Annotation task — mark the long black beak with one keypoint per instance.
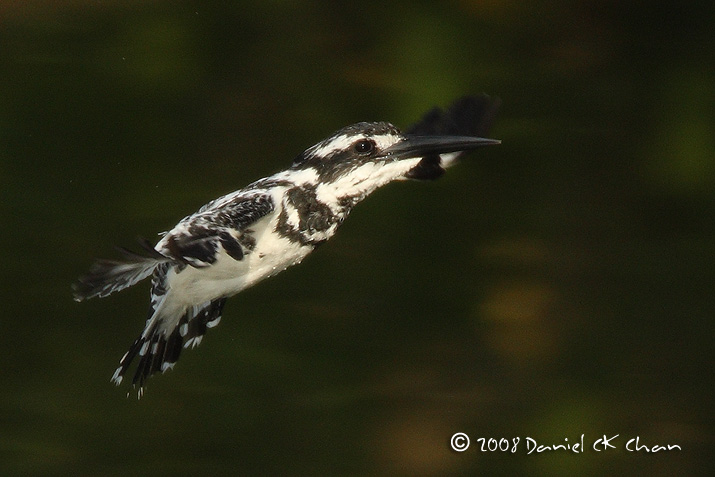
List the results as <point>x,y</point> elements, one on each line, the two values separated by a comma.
<point>419,146</point>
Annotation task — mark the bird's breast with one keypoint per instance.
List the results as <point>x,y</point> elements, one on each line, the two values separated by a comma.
<point>271,253</point>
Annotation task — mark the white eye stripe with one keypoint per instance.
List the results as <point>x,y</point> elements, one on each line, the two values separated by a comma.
<point>346,142</point>
<point>385,141</point>
<point>329,147</point>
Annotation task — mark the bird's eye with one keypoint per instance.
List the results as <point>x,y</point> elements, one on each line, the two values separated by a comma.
<point>364,146</point>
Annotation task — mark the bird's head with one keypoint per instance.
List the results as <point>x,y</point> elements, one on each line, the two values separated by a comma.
<point>359,158</point>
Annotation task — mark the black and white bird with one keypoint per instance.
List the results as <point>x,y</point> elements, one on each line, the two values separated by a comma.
<point>251,234</point>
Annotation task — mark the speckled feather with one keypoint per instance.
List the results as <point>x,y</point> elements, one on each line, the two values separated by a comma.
<point>239,239</point>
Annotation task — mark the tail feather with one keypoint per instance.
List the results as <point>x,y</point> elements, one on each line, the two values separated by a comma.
<point>158,349</point>
<point>108,276</point>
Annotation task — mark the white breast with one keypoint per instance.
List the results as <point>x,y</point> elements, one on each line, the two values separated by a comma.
<point>228,276</point>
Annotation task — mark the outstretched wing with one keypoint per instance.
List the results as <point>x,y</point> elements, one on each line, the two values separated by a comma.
<point>225,222</point>
<point>467,116</point>
<point>108,276</point>
<point>158,351</point>
<point>195,241</point>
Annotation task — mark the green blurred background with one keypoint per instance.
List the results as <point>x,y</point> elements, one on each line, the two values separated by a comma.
<point>560,284</point>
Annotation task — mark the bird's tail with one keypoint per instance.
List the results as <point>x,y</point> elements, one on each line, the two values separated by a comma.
<point>108,276</point>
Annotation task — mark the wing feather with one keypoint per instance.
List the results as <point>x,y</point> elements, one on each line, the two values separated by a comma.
<point>467,116</point>
<point>108,276</point>
<point>196,239</point>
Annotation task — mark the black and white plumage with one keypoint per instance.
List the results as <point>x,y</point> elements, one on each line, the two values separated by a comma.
<point>237,240</point>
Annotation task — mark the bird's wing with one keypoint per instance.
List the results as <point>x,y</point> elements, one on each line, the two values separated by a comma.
<point>224,222</point>
<point>467,116</point>
<point>108,276</point>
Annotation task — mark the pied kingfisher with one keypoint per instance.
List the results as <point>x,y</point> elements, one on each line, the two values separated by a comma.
<point>237,240</point>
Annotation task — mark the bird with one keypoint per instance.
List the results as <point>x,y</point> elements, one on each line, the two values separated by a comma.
<point>244,237</point>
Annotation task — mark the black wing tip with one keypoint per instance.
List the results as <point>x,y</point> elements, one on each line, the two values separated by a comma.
<point>146,246</point>
<point>158,351</point>
<point>470,115</point>
<point>480,111</point>
<point>156,354</point>
<point>81,291</point>
<point>92,283</point>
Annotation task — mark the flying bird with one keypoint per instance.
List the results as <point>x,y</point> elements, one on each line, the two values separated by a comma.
<point>237,240</point>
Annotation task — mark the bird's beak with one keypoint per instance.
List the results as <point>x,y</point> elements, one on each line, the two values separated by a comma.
<point>420,146</point>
